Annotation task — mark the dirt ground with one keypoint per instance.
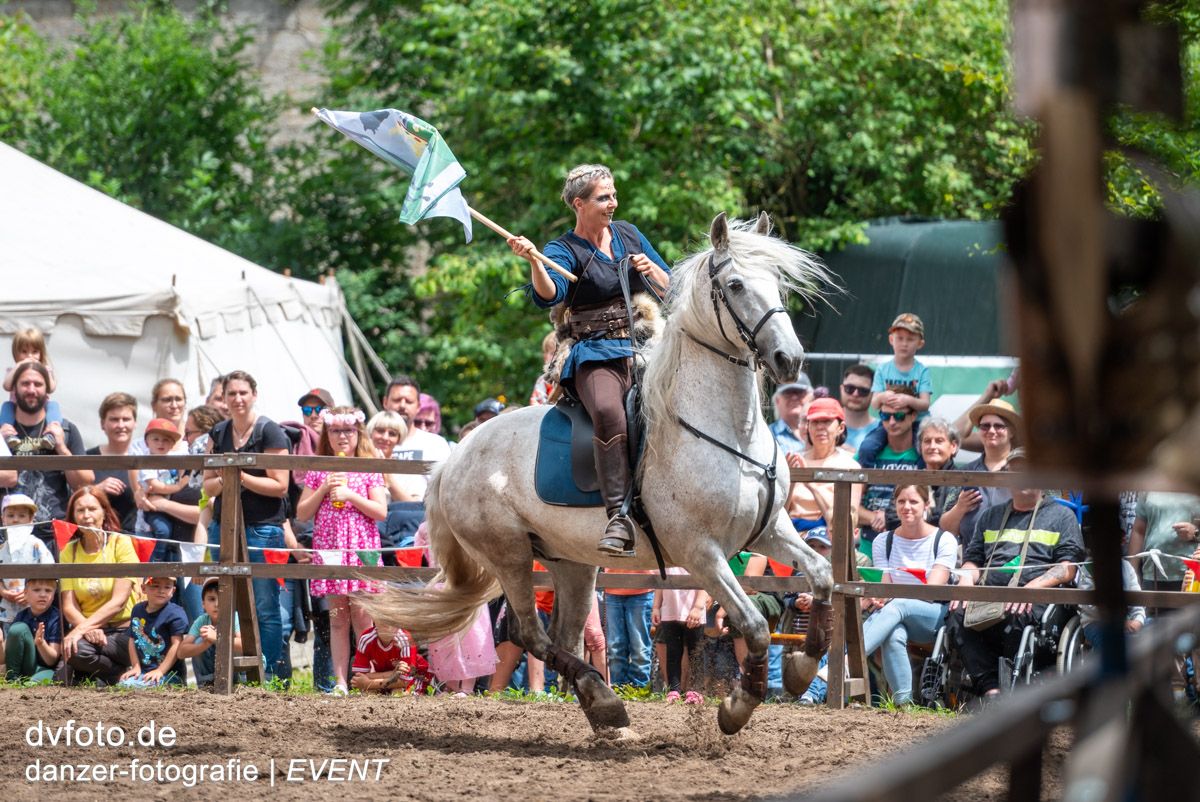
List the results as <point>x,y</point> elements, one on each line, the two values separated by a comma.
<point>435,748</point>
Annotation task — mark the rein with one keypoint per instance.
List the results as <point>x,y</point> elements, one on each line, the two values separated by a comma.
<point>748,335</point>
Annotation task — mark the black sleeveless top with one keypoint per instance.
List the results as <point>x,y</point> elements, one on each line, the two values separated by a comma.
<point>598,283</point>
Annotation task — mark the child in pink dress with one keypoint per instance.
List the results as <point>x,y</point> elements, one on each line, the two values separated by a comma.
<point>345,506</point>
<point>459,660</point>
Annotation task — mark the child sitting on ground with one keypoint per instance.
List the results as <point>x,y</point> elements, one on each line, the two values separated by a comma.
<point>156,630</point>
<point>28,345</point>
<point>34,643</point>
<point>201,641</point>
<point>20,546</point>
<point>388,660</point>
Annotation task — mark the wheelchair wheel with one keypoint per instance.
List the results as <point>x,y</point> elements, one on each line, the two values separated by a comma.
<point>932,689</point>
<point>1020,669</point>
<point>1071,645</point>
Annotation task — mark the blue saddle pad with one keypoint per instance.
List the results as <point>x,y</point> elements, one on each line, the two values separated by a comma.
<point>552,475</point>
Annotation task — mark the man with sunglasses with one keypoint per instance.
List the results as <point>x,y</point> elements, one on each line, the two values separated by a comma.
<point>877,512</point>
<point>856,401</point>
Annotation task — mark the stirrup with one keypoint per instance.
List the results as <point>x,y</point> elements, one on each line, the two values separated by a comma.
<point>617,545</point>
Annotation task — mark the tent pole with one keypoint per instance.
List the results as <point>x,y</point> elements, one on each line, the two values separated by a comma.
<point>378,363</point>
<point>360,368</point>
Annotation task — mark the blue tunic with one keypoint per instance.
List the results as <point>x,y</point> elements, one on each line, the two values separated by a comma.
<point>590,350</point>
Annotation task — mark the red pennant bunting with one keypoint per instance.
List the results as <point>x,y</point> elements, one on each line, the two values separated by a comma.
<point>537,566</point>
<point>779,568</point>
<point>144,546</point>
<point>409,558</point>
<point>276,557</point>
<point>1193,565</point>
<point>63,532</point>
<point>919,573</point>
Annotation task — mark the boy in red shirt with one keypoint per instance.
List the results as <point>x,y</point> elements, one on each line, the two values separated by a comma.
<point>387,659</point>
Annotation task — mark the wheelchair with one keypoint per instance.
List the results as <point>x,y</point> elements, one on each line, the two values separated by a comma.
<point>1055,642</point>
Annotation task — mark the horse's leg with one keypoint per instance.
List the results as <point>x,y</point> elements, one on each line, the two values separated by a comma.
<point>783,544</point>
<point>574,588</point>
<point>709,565</point>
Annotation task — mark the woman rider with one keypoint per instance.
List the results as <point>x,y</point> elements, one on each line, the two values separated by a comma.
<point>598,370</point>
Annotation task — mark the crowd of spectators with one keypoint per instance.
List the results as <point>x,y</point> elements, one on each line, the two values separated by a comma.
<point>144,631</point>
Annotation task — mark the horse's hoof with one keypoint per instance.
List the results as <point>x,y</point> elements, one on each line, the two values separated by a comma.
<point>735,711</point>
<point>798,672</point>
<point>603,708</point>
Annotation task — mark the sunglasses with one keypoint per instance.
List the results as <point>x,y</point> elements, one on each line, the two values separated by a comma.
<point>424,423</point>
<point>987,427</point>
<point>854,389</point>
<point>311,410</point>
<point>898,416</point>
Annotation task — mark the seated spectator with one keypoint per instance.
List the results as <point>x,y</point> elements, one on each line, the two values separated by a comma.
<point>856,401</point>
<point>543,388</point>
<point>1045,540</point>
<point>156,629</point>
<point>487,409</point>
<point>810,504</point>
<point>387,660</point>
<point>939,444</point>
<point>96,611</point>
<point>429,414</point>
<point>33,647</point>
<point>20,547</point>
<point>1089,615</point>
<point>161,437</point>
<point>28,345</point>
<point>118,419</point>
<point>876,513</point>
<point>201,642</point>
<point>790,401</point>
<point>769,605</point>
<point>1000,429</point>
<point>1167,522</point>
<point>914,545</point>
<point>50,489</point>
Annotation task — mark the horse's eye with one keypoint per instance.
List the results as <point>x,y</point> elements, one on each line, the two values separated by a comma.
<point>735,285</point>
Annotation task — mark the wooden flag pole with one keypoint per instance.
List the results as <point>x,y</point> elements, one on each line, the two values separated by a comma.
<point>541,257</point>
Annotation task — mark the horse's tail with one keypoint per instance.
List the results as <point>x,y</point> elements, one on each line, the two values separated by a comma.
<point>450,602</point>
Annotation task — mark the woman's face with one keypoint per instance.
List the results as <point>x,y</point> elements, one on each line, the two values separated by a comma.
<point>995,434</point>
<point>192,430</point>
<point>239,397</point>
<point>342,438</point>
<point>88,512</point>
<point>910,507</point>
<point>936,448</point>
<point>170,403</point>
<point>118,425</point>
<point>824,433</point>
<point>384,439</point>
<point>598,208</point>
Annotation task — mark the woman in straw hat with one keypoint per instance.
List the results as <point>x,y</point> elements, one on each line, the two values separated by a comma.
<point>999,428</point>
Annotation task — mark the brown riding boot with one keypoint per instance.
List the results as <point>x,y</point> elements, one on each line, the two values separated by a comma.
<point>612,469</point>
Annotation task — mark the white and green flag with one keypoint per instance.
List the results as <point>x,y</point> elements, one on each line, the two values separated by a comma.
<point>418,149</point>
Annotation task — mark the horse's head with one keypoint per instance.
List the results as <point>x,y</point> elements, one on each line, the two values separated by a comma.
<point>748,273</point>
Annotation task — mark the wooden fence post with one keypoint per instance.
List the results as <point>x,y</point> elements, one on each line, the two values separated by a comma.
<point>846,644</point>
<point>236,591</point>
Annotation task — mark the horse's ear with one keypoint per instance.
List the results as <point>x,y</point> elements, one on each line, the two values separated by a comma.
<point>718,233</point>
<point>763,226</point>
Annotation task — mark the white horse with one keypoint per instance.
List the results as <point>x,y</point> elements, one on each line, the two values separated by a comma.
<point>712,481</point>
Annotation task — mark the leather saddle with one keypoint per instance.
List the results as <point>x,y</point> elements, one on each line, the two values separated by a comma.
<point>565,467</point>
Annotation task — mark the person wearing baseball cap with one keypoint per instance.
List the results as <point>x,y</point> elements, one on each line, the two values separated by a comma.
<point>19,546</point>
<point>902,384</point>
<point>312,404</point>
<point>487,409</point>
<point>790,401</point>
<point>810,504</point>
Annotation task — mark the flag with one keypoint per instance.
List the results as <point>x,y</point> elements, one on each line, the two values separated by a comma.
<point>368,556</point>
<point>63,532</point>
<point>1192,565</point>
<point>919,573</point>
<point>276,557</point>
<point>410,558</point>
<point>779,568</point>
<point>418,149</point>
<point>144,546</point>
<point>1012,565</point>
<point>871,574</point>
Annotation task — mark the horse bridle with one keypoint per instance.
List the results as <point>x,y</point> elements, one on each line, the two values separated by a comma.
<point>749,337</point>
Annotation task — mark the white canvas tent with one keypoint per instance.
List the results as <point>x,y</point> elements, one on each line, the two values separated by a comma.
<point>126,299</point>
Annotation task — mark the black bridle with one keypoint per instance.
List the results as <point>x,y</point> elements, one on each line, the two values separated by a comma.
<point>749,337</point>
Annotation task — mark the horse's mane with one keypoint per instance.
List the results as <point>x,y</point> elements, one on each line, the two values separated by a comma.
<point>688,306</point>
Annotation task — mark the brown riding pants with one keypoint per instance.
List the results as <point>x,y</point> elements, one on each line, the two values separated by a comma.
<point>601,387</point>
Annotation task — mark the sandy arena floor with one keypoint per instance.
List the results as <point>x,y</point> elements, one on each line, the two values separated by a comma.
<point>435,748</point>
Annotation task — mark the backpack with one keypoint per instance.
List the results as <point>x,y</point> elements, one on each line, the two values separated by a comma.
<point>292,497</point>
<point>887,544</point>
